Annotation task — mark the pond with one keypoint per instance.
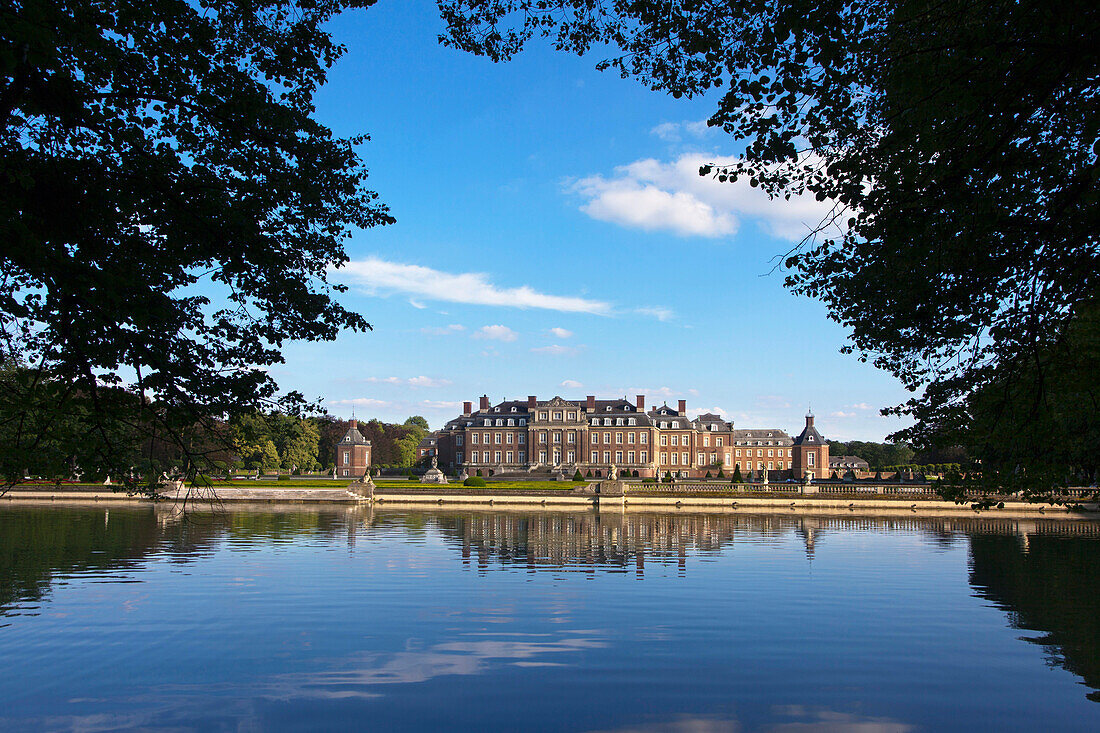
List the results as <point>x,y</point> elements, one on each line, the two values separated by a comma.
<point>296,618</point>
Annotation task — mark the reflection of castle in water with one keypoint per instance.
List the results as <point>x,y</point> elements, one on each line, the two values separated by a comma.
<point>613,541</point>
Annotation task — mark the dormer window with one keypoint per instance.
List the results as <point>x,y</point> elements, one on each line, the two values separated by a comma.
<point>607,421</point>
<point>631,421</point>
<point>511,422</point>
<point>347,438</point>
<point>607,409</point>
<point>500,423</point>
<point>496,409</point>
<point>513,408</point>
<point>522,422</point>
<point>488,422</point>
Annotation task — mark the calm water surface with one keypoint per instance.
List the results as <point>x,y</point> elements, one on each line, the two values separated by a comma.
<point>298,619</point>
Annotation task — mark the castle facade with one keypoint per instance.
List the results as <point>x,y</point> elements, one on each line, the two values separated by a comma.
<point>591,435</point>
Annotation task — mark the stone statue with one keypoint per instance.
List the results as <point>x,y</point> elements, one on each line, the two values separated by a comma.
<point>435,462</point>
<point>612,473</point>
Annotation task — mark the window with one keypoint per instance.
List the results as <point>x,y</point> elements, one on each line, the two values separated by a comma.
<point>770,453</point>
<point>542,438</point>
<point>499,437</point>
<point>473,456</point>
<point>664,440</point>
<point>700,459</point>
<point>497,457</point>
<point>557,456</point>
<point>706,441</point>
<point>522,421</point>
<point>618,456</point>
<point>618,437</point>
<point>542,416</point>
<point>727,461</point>
<point>630,457</point>
<point>759,453</point>
<point>607,421</point>
<point>571,415</point>
<point>675,440</point>
<point>347,457</point>
<point>769,465</point>
<point>557,438</point>
<point>458,457</point>
<point>523,456</point>
<point>684,459</point>
<point>607,438</point>
<point>345,472</point>
<point>458,440</point>
<point>522,438</point>
<point>510,438</point>
<point>509,454</point>
<point>607,456</point>
<point>595,437</point>
<point>542,456</point>
<point>645,456</point>
<point>738,452</point>
<point>645,438</point>
<point>513,410</point>
<point>631,421</point>
<point>511,422</point>
<point>718,441</point>
<point>595,421</point>
<point>810,459</point>
<point>488,423</point>
<point>500,423</point>
<point>630,438</point>
<point>571,437</point>
<point>595,457</point>
<point>347,438</point>
<point>571,456</point>
<point>675,459</point>
<point>557,416</point>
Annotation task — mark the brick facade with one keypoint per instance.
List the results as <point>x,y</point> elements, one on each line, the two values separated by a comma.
<point>521,436</point>
<point>352,453</point>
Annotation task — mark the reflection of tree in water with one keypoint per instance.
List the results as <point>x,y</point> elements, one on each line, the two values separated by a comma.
<point>37,543</point>
<point>1046,583</point>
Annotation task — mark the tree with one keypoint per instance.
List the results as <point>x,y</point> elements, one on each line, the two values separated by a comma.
<point>737,477</point>
<point>954,142</point>
<point>211,203</point>
<point>416,421</point>
<point>577,475</point>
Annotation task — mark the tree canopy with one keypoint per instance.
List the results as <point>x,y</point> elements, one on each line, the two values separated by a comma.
<point>958,144</point>
<point>171,210</point>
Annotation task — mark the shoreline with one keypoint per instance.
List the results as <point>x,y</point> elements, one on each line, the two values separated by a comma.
<point>438,497</point>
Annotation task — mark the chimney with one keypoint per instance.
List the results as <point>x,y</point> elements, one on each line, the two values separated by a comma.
<point>353,423</point>
<point>467,408</point>
<point>531,400</point>
<point>641,403</point>
<point>682,408</point>
<point>590,403</point>
<point>484,402</point>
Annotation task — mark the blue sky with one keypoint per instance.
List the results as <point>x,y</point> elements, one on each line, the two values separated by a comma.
<point>552,237</point>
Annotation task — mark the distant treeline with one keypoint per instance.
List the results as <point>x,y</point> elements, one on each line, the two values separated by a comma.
<point>895,456</point>
<point>277,441</point>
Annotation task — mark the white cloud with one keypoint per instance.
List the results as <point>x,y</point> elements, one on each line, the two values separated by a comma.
<point>673,131</point>
<point>557,350</point>
<point>671,196</point>
<point>841,413</point>
<point>696,412</point>
<point>428,382</point>
<point>571,384</point>
<point>862,406</point>
<point>561,333</point>
<point>416,304</point>
<point>496,333</point>
<point>375,275</point>
<point>443,330</point>
<point>658,312</point>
